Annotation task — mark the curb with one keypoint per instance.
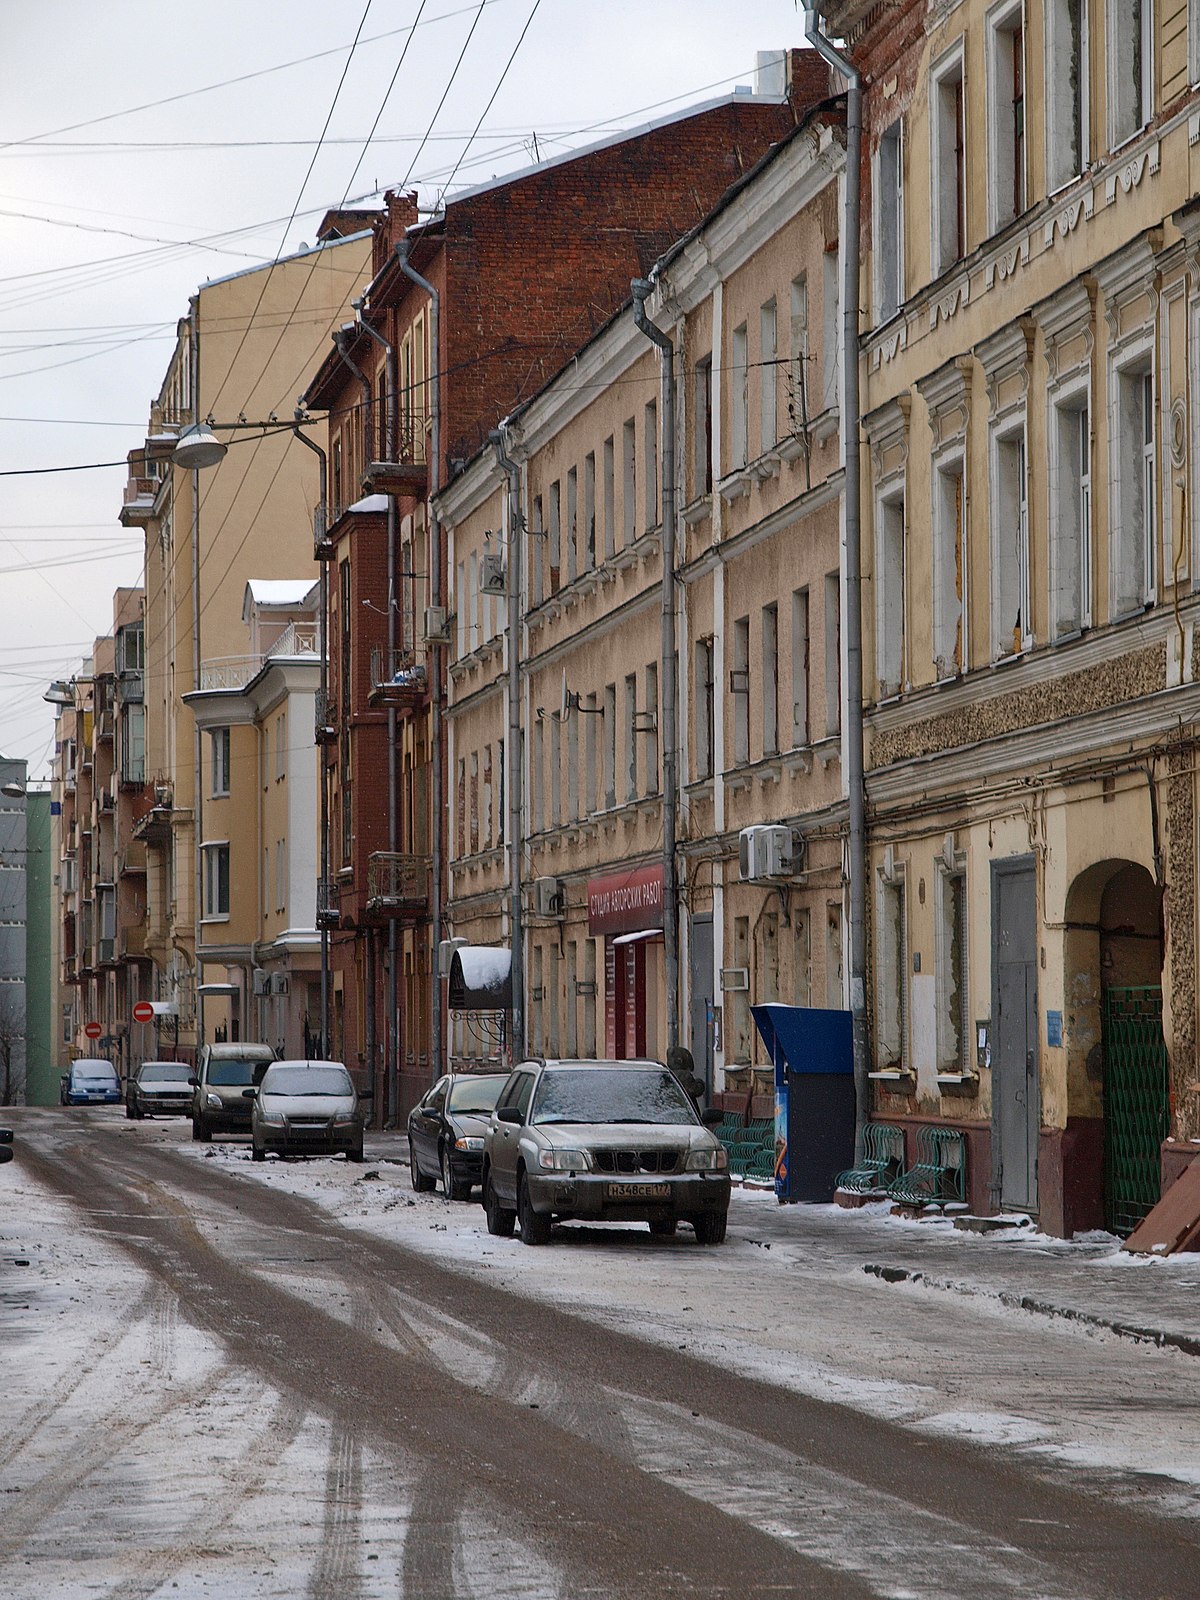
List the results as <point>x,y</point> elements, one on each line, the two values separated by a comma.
<point>1159,1337</point>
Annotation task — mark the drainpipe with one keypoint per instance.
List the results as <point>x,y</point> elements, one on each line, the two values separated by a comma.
<point>852,572</point>
<point>642,288</point>
<point>197,736</point>
<point>322,770</point>
<point>436,662</point>
<point>391,1063</point>
<point>513,761</point>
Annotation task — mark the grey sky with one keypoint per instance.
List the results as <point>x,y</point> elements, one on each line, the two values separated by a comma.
<point>91,286</point>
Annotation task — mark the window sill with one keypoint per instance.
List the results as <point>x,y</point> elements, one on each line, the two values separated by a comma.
<point>698,510</point>
<point>215,917</point>
<point>893,1075</point>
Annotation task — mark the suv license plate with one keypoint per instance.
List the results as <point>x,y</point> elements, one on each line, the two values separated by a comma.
<point>638,1191</point>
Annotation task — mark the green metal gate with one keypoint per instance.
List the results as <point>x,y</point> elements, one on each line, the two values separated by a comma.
<point>1136,1114</point>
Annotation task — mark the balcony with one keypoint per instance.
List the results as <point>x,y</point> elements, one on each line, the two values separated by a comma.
<point>397,678</point>
<point>322,546</point>
<point>133,942</point>
<point>326,717</point>
<point>398,885</point>
<point>154,827</point>
<point>103,730</point>
<point>138,506</point>
<point>106,952</point>
<point>235,672</point>
<point>329,903</point>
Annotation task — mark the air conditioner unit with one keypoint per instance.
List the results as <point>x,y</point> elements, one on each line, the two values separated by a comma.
<point>764,852</point>
<point>446,949</point>
<point>491,574</point>
<point>547,897</point>
<point>279,983</point>
<point>435,625</point>
<point>262,981</point>
<point>734,978</point>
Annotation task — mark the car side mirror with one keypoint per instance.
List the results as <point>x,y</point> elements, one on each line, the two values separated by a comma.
<point>366,1094</point>
<point>193,1083</point>
<point>711,1117</point>
<point>429,1111</point>
<point>249,1094</point>
<point>510,1114</point>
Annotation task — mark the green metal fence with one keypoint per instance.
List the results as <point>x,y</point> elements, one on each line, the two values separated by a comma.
<point>1136,1114</point>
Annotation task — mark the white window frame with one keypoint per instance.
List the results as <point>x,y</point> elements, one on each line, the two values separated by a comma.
<point>220,763</point>
<point>1130,46</point>
<point>888,206</point>
<point>1133,483</point>
<point>798,385</point>
<point>1011,434</point>
<point>1002,21</point>
<point>890,586</point>
<point>946,201</point>
<point>768,372</point>
<point>211,853</point>
<point>1070,507</point>
<point>739,359</point>
<point>949,611</point>
<point>801,669</point>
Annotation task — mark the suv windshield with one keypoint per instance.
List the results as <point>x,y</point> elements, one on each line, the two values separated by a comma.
<point>165,1072</point>
<point>309,1081</point>
<point>95,1074</point>
<point>622,1094</point>
<point>229,1074</point>
<point>476,1094</point>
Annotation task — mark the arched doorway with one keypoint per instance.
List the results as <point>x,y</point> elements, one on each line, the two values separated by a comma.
<point>1115,953</point>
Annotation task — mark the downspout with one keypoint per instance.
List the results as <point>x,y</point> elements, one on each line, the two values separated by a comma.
<point>852,571</point>
<point>642,288</point>
<point>322,769</point>
<point>197,736</point>
<point>513,760</point>
<point>436,661</point>
<point>391,1050</point>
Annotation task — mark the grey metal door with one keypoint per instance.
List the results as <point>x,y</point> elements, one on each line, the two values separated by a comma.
<point>702,996</point>
<point>1016,1096</point>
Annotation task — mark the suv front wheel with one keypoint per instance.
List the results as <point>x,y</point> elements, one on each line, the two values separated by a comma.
<point>535,1225</point>
<point>710,1226</point>
<point>500,1220</point>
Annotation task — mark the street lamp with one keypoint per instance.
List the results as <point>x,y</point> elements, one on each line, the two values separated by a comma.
<point>13,791</point>
<point>198,447</point>
<point>60,693</point>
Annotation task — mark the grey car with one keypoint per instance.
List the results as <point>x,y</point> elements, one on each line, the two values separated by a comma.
<point>223,1072</point>
<point>159,1086</point>
<point>306,1108</point>
<point>601,1141</point>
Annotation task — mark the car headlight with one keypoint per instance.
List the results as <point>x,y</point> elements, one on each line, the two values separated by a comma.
<point>707,1160</point>
<point>564,1160</point>
<point>275,1118</point>
<point>213,1101</point>
<point>343,1119</point>
<point>468,1144</point>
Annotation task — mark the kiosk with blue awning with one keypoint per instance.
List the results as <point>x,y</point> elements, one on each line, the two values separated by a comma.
<point>813,1055</point>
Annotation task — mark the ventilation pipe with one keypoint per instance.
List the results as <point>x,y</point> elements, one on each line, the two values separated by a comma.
<point>852,571</point>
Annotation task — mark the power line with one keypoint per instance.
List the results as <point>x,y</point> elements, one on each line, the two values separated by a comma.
<point>491,100</point>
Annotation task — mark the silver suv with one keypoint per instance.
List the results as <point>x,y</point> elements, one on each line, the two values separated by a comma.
<point>601,1141</point>
<point>224,1070</point>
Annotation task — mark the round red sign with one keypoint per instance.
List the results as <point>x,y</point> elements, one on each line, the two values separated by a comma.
<point>143,1011</point>
<point>92,1029</point>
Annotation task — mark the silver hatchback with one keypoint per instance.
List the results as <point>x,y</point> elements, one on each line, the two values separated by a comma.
<point>306,1108</point>
<point>601,1141</point>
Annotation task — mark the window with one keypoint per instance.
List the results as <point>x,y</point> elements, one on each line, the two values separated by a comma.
<point>216,880</point>
<point>834,995</point>
<point>949,570</point>
<point>572,523</point>
<point>831,332</point>
<point>591,799</point>
<point>460,806</point>
<point>610,746</point>
<point>281,875</point>
<point>344,634</point>
<point>801,959</point>
<point>554,542</point>
<point>1132,513</point>
<point>133,649</point>
<point>1010,545</point>
<point>266,881</point>
<point>738,1000</point>
<point>739,688</point>
<point>537,761</point>
<point>798,365</point>
<point>1006,117</point>
<point>702,420</point>
<point>891,1021</point>
<point>500,794</point>
<point>833,654</point>
<point>650,734</point>
<point>948,164</point>
<point>738,377</point>
<point>610,543</point>
<point>537,550</point>
<point>629,480</point>
<point>573,769</point>
<point>487,804</point>
<point>219,743</point>
<point>1130,67</point>
<point>889,231</point>
<point>1067,132</point>
<point>953,1024</point>
<point>650,469</point>
<point>555,776</point>
<point>589,509</point>
<point>770,680</point>
<point>768,372</point>
<point>889,597</point>
<point>1070,516</point>
<point>133,744</point>
<point>706,708</point>
<point>281,745</point>
<point>473,804</point>
<point>631,761</point>
<point>800,668</point>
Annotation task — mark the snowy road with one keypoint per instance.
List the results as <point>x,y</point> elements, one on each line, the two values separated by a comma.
<point>299,1380</point>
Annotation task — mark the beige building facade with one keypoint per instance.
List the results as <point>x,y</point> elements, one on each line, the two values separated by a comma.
<point>1030,553</point>
<point>749,300</point>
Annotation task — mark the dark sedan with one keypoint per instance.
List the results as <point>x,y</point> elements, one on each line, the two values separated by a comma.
<point>159,1086</point>
<point>445,1132</point>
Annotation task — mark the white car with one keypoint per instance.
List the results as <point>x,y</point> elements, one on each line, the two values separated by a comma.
<point>306,1108</point>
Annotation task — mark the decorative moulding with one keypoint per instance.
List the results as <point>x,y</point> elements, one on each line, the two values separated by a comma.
<point>951,302</point>
<point>889,346</point>
<point>1064,221</point>
<point>1064,318</point>
<point>947,396</point>
<point>1130,173</point>
<point>1005,265</point>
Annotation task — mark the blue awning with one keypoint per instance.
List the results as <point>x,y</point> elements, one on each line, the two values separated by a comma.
<point>806,1038</point>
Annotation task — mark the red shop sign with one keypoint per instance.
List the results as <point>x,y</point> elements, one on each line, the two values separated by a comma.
<point>626,902</point>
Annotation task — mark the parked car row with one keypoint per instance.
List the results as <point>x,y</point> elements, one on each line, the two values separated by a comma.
<point>594,1141</point>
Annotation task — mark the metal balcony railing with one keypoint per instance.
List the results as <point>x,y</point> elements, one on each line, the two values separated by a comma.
<point>398,883</point>
<point>329,903</point>
<point>397,677</point>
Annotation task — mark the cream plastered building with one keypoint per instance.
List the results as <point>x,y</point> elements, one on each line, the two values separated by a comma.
<point>1031,298</point>
<point>749,300</point>
<point>243,352</point>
